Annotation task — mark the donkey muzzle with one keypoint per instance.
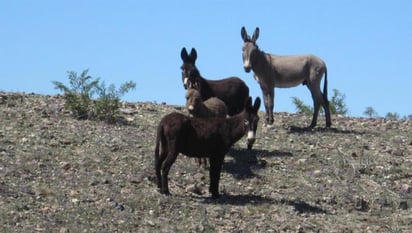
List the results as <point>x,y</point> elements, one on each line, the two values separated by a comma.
<point>247,66</point>
<point>185,81</point>
<point>250,139</point>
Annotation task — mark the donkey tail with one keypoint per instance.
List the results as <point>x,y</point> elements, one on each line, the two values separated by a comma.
<point>158,140</point>
<point>325,85</point>
<point>157,163</point>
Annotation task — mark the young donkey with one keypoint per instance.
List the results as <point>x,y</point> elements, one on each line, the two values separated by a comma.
<point>272,71</point>
<point>212,107</point>
<point>233,91</point>
<point>200,137</point>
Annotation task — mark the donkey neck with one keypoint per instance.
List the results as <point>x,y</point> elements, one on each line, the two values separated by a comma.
<point>262,66</point>
<point>204,88</point>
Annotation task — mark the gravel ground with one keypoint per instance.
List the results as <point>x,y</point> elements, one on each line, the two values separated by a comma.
<point>58,174</point>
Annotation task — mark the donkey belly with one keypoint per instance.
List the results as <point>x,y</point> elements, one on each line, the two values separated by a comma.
<point>287,83</point>
<point>290,70</point>
<point>196,148</point>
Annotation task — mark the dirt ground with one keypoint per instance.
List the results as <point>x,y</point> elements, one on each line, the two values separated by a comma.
<point>59,174</point>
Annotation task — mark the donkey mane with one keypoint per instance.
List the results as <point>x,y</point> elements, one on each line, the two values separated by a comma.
<point>203,85</point>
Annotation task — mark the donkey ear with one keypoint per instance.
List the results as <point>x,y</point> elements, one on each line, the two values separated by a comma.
<point>256,106</point>
<point>193,55</point>
<point>248,103</point>
<point>243,34</point>
<point>183,54</point>
<point>255,34</point>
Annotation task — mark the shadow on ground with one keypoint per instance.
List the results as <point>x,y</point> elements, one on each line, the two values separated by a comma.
<point>242,199</point>
<point>246,161</point>
<point>298,129</point>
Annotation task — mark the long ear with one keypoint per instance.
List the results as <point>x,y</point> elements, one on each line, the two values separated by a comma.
<point>255,34</point>
<point>248,103</point>
<point>256,106</point>
<point>244,35</point>
<point>193,55</point>
<point>183,54</point>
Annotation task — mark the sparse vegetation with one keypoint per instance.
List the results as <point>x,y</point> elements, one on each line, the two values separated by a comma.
<point>79,97</point>
<point>301,107</point>
<point>370,112</point>
<point>337,105</point>
<point>108,103</point>
<point>408,117</point>
<point>392,116</point>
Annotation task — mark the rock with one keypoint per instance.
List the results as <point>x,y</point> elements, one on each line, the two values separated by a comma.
<point>361,204</point>
<point>405,188</point>
<point>403,205</point>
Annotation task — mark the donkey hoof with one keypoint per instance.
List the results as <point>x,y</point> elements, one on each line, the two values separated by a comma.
<point>215,196</point>
<point>311,126</point>
<point>165,192</point>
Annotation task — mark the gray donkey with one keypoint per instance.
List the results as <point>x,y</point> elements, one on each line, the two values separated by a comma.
<point>272,71</point>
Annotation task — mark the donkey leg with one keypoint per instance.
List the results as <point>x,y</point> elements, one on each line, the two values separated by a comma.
<point>317,102</point>
<point>269,96</point>
<point>158,163</point>
<point>325,105</point>
<point>167,164</point>
<point>214,173</point>
<point>320,100</point>
<point>316,108</point>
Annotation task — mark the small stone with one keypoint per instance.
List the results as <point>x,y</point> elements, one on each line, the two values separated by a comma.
<point>403,205</point>
<point>317,172</point>
<point>151,223</point>
<point>397,152</point>
<point>193,188</point>
<point>119,207</point>
<point>75,200</point>
<point>406,188</point>
<point>361,204</point>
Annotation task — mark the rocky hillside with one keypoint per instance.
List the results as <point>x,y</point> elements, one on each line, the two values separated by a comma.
<point>58,174</point>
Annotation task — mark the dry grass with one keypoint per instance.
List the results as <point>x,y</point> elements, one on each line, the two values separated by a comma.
<point>58,174</point>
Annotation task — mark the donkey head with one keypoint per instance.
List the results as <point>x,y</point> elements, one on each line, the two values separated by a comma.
<point>189,70</point>
<point>193,100</point>
<point>252,120</point>
<point>249,48</point>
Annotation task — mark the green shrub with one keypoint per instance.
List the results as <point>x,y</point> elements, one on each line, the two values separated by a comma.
<point>108,104</point>
<point>370,112</point>
<point>337,105</point>
<point>301,107</point>
<point>79,97</point>
<point>392,116</point>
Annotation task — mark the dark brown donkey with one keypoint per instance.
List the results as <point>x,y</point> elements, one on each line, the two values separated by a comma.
<point>272,71</point>
<point>201,137</point>
<point>233,91</point>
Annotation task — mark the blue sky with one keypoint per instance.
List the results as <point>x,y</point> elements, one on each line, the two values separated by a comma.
<point>367,45</point>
